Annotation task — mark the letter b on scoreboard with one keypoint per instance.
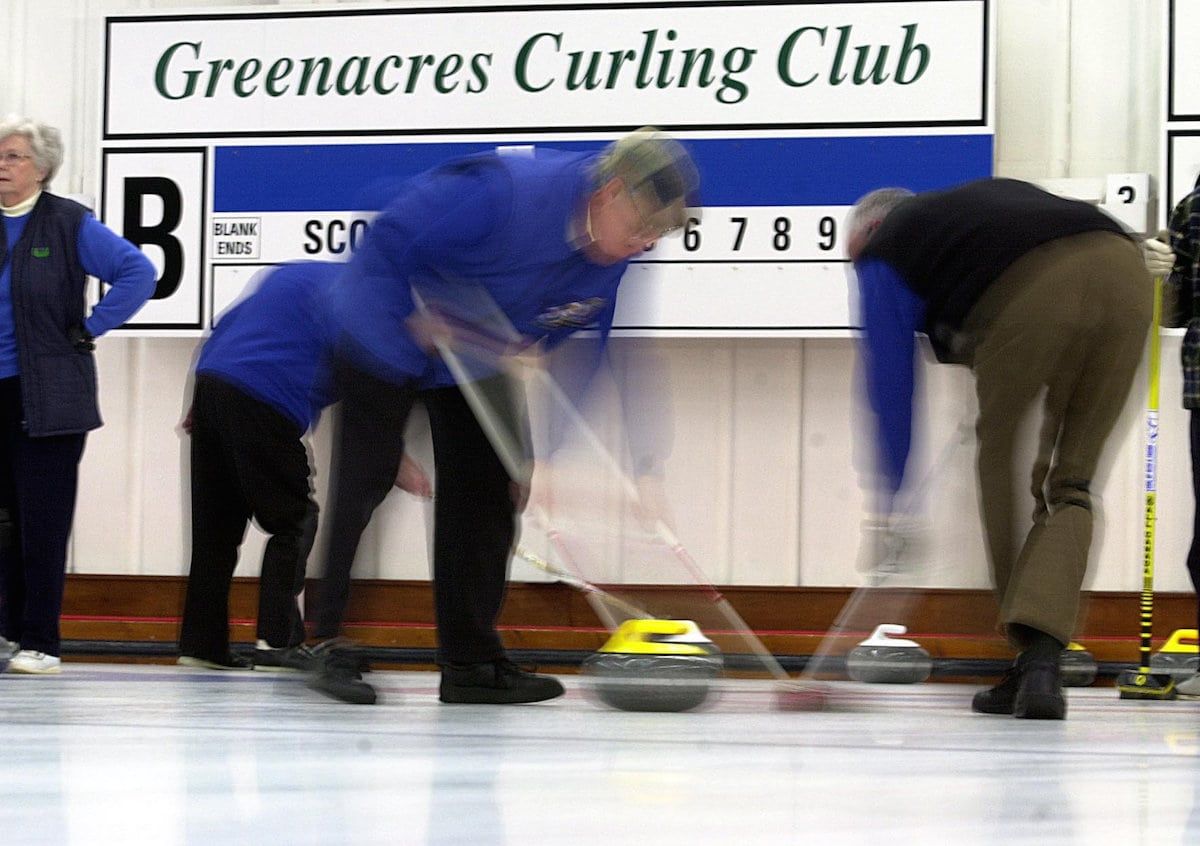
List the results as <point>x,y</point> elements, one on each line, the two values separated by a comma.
<point>155,199</point>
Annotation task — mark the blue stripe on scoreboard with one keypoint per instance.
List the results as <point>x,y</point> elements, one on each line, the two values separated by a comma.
<point>735,172</point>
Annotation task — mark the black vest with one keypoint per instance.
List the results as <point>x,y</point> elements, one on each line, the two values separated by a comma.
<point>949,246</point>
<point>58,384</point>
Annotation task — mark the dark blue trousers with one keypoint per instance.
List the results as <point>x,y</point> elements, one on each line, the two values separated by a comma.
<point>38,481</point>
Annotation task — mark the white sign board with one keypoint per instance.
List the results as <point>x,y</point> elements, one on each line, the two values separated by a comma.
<point>791,109</point>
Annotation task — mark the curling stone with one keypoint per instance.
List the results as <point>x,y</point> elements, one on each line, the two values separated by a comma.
<point>1077,666</point>
<point>654,665</point>
<point>1179,656</point>
<point>885,660</point>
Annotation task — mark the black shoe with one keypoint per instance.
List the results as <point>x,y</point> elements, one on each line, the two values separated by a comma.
<point>1040,695</point>
<point>229,661</point>
<point>336,673</point>
<point>495,683</point>
<point>291,658</point>
<point>1000,699</point>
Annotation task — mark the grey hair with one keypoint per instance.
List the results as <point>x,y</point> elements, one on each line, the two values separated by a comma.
<point>875,206</point>
<point>657,169</point>
<point>44,141</point>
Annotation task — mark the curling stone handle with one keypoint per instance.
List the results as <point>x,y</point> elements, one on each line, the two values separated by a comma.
<point>1182,640</point>
<point>881,636</point>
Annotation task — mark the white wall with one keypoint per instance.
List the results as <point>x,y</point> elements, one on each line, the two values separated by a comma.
<point>762,477</point>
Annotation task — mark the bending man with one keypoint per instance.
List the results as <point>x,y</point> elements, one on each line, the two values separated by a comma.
<point>1048,302</point>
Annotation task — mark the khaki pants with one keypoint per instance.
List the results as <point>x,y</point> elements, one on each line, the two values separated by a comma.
<point>1063,326</point>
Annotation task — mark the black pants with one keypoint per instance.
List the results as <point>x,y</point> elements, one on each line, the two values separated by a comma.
<point>1193,559</point>
<point>474,522</point>
<point>248,461</point>
<point>38,481</point>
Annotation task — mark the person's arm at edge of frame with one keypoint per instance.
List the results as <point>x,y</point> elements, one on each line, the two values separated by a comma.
<point>1184,238</point>
<point>891,315</point>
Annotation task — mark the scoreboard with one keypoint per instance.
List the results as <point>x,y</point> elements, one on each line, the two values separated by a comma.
<point>236,140</point>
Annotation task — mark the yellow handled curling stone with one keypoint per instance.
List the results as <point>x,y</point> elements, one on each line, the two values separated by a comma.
<point>1179,656</point>
<point>654,665</point>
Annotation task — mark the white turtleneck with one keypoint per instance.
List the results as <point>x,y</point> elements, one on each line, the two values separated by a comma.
<point>23,207</point>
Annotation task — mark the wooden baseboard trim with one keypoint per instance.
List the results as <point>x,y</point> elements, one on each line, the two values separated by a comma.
<point>949,623</point>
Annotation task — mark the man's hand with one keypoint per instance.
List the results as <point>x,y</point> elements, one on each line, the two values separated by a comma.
<point>411,478</point>
<point>1159,258</point>
<point>433,331</point>
<point>429,330</point>
<point>518,492</point>
<point>651,505</point>
<point>891,545</point>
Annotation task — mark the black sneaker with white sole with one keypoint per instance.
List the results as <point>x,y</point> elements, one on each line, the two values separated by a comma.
<point>495,683</point>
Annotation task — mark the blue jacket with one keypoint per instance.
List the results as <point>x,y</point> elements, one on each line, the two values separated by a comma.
<point>60,245</point>
<point>492,223</point>
<point>273,344</point>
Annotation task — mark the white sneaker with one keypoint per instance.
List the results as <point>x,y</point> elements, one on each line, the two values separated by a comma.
<point>1191,687</point>
<point>35,663</point>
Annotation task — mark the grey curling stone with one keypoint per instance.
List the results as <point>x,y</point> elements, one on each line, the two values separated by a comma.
<point>641,682</point>
<point>1077,666</point>
<point>881,659</point>
<point>1178,656</point>
<point>1175,664</point>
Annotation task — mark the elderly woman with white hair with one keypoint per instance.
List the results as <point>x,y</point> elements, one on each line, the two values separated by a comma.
<point>49,245</point>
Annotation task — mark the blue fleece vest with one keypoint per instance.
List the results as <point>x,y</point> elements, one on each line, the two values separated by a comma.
<point>58,384</point>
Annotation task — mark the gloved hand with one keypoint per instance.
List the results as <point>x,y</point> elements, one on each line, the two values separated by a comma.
<point>81,339</point>
<point>1159,257</point>
<point>891,545</point>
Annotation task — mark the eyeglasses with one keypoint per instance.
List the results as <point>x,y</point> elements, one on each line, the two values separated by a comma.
<point>11,158</point>
<point>644,230</point>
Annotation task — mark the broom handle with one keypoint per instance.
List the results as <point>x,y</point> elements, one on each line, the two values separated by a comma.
<point>587,588</point>
<point>1151,478</point>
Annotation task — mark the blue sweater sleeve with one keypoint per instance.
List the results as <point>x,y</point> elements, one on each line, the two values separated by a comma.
<point>891,314</point>
<point>110,258</point>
